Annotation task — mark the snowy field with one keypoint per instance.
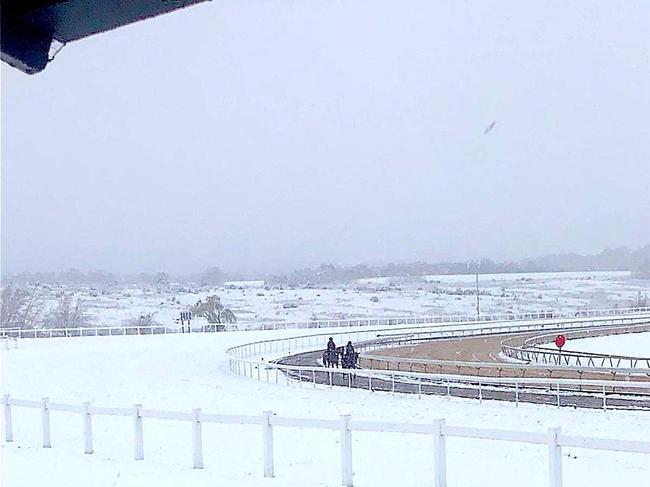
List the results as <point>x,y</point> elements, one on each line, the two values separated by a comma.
<point>116,305</point>
<point>634,345</point>
<point>181,372</point>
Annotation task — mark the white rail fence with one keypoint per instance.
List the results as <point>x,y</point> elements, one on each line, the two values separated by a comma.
<point>247,360</point>
<point>511,388</point>
<point>534,349</point>
<point>393,336</point>
<point>315,340</point>
<point>454,318</point>
<point>294,325</point>
<point>438,430</point>
<point>528,357</point>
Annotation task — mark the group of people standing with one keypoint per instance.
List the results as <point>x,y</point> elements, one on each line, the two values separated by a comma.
<point>348,356</point>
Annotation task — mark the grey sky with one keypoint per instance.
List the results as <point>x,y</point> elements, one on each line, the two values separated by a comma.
<point>266,135</point>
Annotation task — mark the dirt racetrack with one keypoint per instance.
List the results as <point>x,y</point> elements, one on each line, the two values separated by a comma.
<point>484,350</point>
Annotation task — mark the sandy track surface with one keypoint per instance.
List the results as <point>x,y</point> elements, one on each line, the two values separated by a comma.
<point>484,349</point>
<point>397,383</point>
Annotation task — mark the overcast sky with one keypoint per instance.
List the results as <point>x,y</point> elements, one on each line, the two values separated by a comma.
<point>271,135</point>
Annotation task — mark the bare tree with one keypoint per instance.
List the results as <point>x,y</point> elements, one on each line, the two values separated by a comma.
<point>213,311</point>
<point>69,313</point>
<point>162,279</point>
<point>20,307</point>
<point>212,276</point>
<point>641,300</point>
<point>143,323</point>
<point>147,319</point>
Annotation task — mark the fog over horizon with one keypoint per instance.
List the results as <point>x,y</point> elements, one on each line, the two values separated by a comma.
<point>270,136</point>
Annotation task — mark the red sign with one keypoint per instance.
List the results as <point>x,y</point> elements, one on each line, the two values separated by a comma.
<point>560,340</point>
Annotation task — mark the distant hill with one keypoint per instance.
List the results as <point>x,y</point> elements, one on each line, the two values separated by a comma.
<point>637,261</point>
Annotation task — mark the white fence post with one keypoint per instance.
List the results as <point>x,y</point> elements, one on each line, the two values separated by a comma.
<point>88,429</point>
<point>517,394</point>
<point>268,444</point>
<point>45,415</point>
<point>9,430</point>
<point>440,454</point>
<point>346,451</point>
<point>138,432</point>
<point>197,438</point>
<point>554,458</point>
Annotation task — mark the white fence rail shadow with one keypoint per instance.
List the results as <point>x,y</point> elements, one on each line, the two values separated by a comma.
<point>438,430</point>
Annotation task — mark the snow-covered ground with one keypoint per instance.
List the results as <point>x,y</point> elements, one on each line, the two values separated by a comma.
<point>634,345</point>
<point>181,372</point>
<point>397,296</point>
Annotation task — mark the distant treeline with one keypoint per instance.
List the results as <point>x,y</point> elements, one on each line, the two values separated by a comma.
<point>619,259</point>
<point>213,276</point>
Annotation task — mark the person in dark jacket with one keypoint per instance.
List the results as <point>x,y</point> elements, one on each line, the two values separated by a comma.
<point>331,346</point>
<point>350,357</point>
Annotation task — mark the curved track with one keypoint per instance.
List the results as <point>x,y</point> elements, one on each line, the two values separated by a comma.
<point>501,392</point>
<point>478,358</point>
<point>487,378</point>
<point>481,356</point>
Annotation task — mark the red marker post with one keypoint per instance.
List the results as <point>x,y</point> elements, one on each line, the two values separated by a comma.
<point>560,340</point>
